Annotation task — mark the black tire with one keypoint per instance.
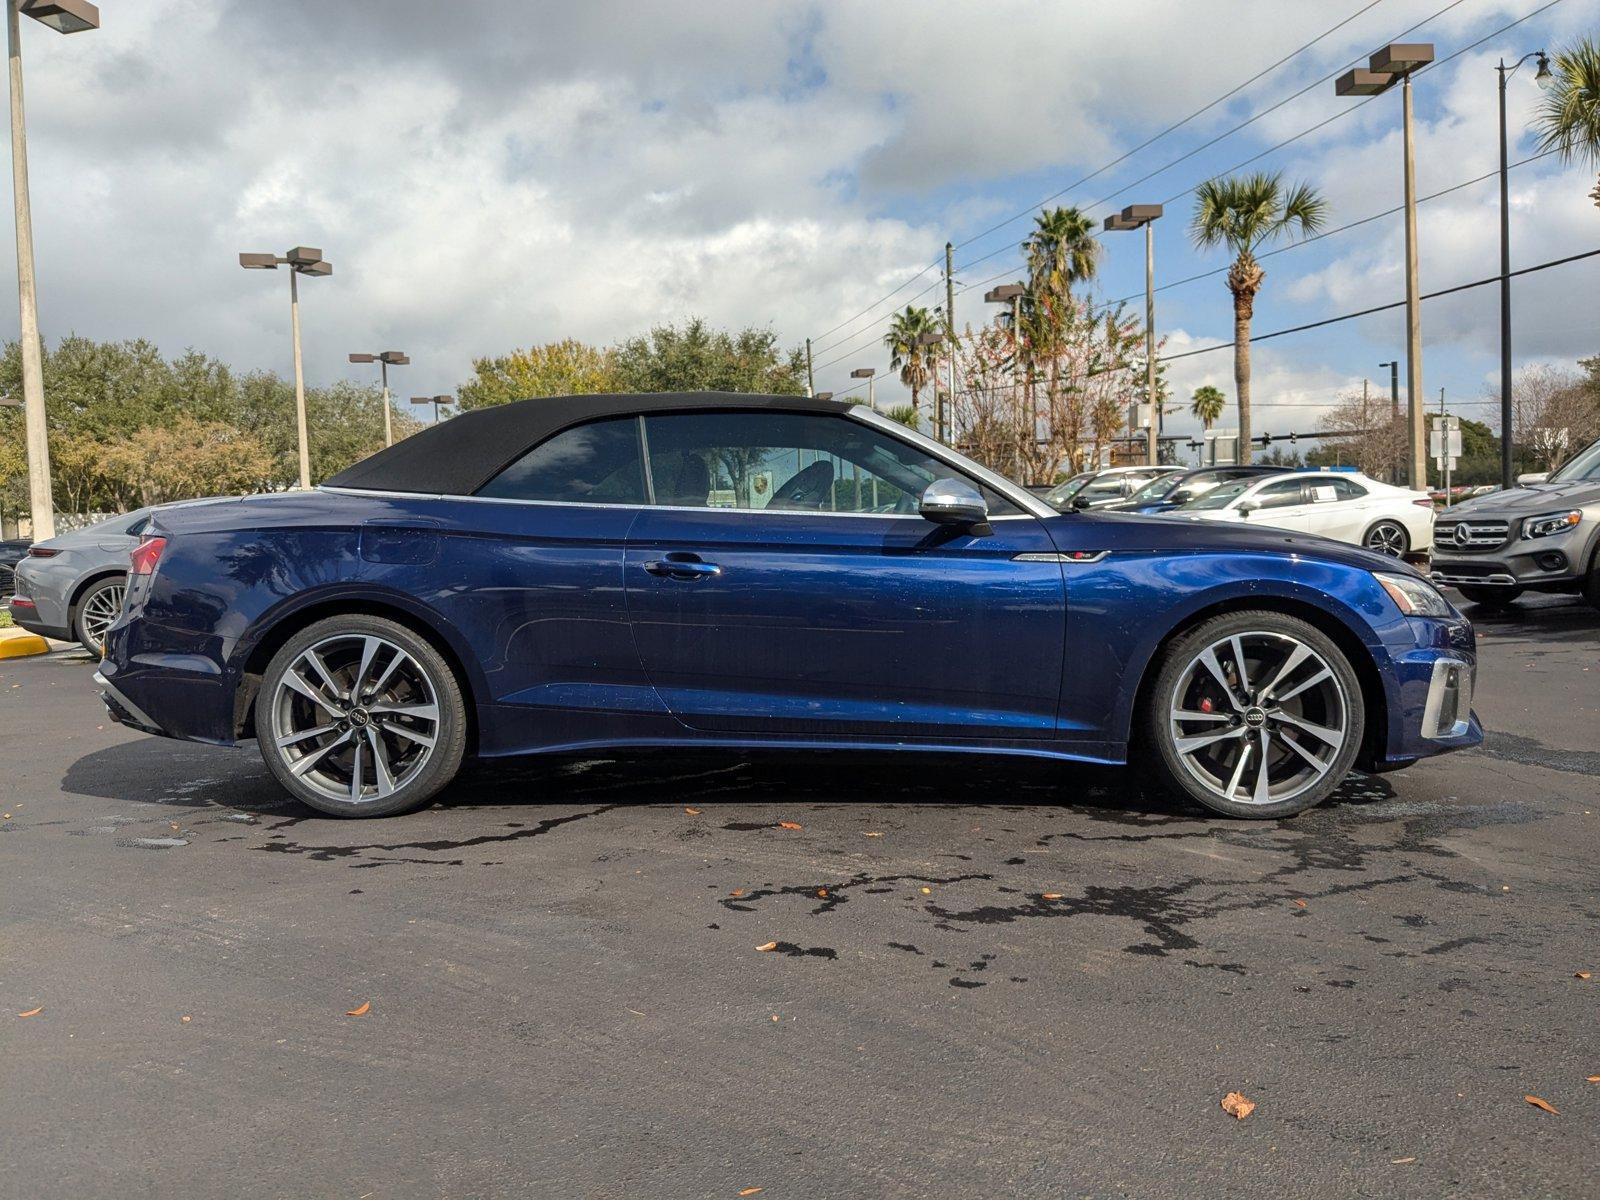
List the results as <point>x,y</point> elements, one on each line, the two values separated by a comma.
<point>1342,689</point>
<point>1591,585</point>
<point>1490,597</point>
<point>100,599</point>
<point>1388,538</point>
<point>423,670</point>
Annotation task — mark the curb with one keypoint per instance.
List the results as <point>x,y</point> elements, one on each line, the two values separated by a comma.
<point>19,643</point>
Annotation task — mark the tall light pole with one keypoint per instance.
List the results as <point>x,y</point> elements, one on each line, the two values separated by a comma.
<point>302,260</point>
<point>438,403</point>
<point>386,359</point>
<point>64,16</point>
<point>867,373</point>
<point>1396,63</point>
<point>1012,294</point>
<point>1544,78</point>
<point>935,339</point>
<point>1394,409</point>
<point>1144,216</point>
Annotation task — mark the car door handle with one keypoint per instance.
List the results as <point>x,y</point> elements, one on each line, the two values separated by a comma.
<point>685,568</point>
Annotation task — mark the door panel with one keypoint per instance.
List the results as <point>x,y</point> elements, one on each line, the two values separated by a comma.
<point>835,624</point>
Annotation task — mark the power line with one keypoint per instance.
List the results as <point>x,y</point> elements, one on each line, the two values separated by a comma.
<point>1367,312</point>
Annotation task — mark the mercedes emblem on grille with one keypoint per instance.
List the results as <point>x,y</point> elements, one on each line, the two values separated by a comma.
<point>1463,535</point>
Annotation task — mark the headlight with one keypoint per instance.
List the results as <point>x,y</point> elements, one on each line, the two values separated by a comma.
<point>1550,524</point>
<point>1414,597</point>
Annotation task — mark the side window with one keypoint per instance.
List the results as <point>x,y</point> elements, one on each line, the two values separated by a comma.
<point>1348,490</point>
<point>597,463</point>
<point>1282,494</point>
<point>795,462</point>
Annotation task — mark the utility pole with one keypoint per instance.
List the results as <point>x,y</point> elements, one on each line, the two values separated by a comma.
<point>941,415</point>
<point>1150,341</point>
<point>1506,433</point>
<point>1419,461</point>
<point>811,379</point>
<point>1366,425</point>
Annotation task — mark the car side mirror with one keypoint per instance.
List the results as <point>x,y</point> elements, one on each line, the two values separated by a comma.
<point>1533,477</point>
<point>1246,507</point>
<point>953,502</point>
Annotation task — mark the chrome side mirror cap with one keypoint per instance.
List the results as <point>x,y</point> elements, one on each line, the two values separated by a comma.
<point>953,502</point>
<point>1532,477</point>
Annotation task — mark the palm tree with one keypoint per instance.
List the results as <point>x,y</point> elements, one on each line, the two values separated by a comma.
<point>1208,405</point>
<point>1244,213</point>
<point>914,361</point>
<point>1061,250</point>
<point>1569,115</point>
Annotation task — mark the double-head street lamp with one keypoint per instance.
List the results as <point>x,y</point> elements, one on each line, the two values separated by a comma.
<point>867,373</point>
<point>302,260</point>
<point>386,359</point>
<point>1144,216</point>
<point>1543,78</point>
<point>935,339</point>
<point>1012,294</point>
<point>1396,63</point>
<point>64,16</point>
<point>823,396</point>
<point>438,403</point>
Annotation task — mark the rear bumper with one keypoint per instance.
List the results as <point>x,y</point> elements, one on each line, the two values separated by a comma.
<point>166,682</point>
<point>26,615</point>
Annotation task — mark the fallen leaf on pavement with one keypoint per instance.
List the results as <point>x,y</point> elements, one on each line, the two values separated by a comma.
<point>1235,1105</point>
<point>185,1020</point>
<point>823,893</point>
<point>1544,1104</point>
<point>8,816</point>
<point>360,1012</point>
<point>1593,1079</point>
<point>872,835</point>
<point>1583,974</point>
<point>750,1191</point>
<point>737,892</point>
<point>1052,895</point>
<point>768,946</point>
<point>32,1012</point>
<point>927,891</point>
<point>1299,903</point>
<point>1400,1162</point>
<point>790,825</point>
<point>693,812</point>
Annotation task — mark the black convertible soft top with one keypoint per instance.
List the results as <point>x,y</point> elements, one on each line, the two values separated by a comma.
<point>460,455</point>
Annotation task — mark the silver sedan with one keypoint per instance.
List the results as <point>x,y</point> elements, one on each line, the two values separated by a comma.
<point>71,587</point>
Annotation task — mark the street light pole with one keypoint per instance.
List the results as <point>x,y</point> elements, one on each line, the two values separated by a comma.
<point>302,260</point>
<point>384,359</point>
<point>67,16</point>
<point>438,403</point>
<point>1542,76</point>
<point>867,373</point>
<point>1397,62</point>
<point>1133,217</point>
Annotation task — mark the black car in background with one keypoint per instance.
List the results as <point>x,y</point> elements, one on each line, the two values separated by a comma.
<point>11,553</point>
<point>1177,488</point>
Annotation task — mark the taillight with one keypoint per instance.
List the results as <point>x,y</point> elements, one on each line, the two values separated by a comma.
<point>41,552</point>
<point>147,554</point>
<point>1424,503</point>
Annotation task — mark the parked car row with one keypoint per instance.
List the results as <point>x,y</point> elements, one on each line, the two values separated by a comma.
<point>1344,505</point>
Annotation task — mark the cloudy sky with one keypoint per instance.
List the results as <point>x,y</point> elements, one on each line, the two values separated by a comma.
<point>487,174</point>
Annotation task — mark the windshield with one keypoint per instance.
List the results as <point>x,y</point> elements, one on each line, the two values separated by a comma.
<point>1583,465</point>
<point>1158,489</point>
<point>1221,497</point>
<point>1063,492</point>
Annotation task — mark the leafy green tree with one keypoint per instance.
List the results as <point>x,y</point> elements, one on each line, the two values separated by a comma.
<point>1207,405</point>
<point>906,414</point>
<point>1061,251</point>
<point>1569,115</point>
<point>914,361</point>
<point>565,368</point>
<point>1244,213</point>
<point>697,358</point>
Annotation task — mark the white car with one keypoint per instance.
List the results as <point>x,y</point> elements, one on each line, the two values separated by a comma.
<point>1343,505</point>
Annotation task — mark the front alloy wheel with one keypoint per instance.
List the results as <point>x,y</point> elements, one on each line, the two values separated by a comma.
<point>1256,715</point>
<point>1388,538</point>
<point>358,716</point>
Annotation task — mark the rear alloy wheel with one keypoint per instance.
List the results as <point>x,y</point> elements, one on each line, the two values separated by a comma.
<point>98,609</point>
<point>1255,714</point>
<point>359,717</point>
<point>1388,537</point>
<point>1490,597</point>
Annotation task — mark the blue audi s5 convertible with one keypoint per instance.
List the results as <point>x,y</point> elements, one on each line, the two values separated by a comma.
<point>586,573</point>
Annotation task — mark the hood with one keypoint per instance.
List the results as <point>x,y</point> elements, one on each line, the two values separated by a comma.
<point>1170,534</point>
<point>1528,500</point>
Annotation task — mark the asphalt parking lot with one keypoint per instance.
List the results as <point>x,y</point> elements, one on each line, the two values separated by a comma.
<point>990,978</point>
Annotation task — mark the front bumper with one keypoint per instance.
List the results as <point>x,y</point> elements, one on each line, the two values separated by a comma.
<point>1552,563</point>
<point>1429,694</point>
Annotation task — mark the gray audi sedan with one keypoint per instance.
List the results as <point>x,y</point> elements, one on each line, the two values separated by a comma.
<point>71,587</point>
